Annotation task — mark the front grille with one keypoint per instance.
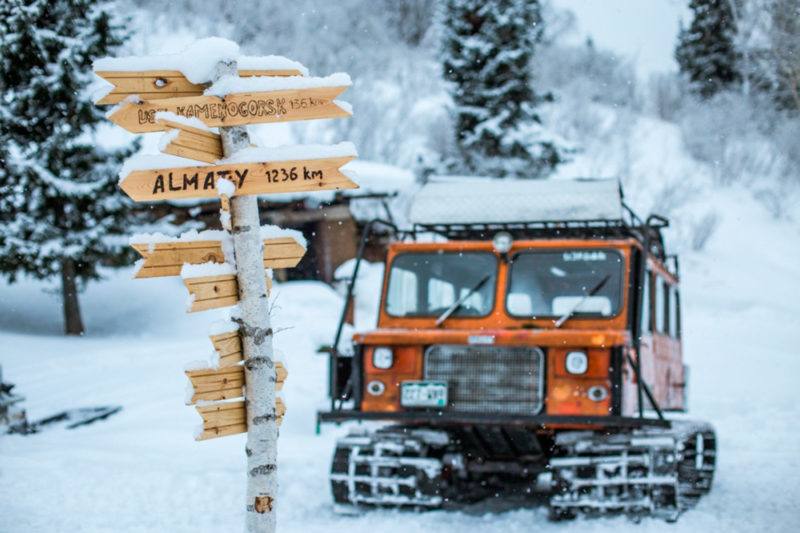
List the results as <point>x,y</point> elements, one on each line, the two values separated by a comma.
<point>489,379</point>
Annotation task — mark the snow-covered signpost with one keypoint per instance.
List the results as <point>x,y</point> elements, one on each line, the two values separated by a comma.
<point>185,96</point>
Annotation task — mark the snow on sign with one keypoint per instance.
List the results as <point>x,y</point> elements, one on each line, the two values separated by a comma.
<point>158,84</point>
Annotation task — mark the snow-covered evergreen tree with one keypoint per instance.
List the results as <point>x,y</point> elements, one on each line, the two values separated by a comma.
<point>59,200</point>
<point>706,52</point>
<point>487,47</point>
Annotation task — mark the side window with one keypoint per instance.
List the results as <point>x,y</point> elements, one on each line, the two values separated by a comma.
<point>674,313</point>
<point>402,298</point>
<point>660,304</point>
<point>646,312</point>
<point>440,293</point>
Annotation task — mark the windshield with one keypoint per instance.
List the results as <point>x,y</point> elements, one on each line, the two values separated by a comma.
<point>428,284</point>
<point>559,283</point>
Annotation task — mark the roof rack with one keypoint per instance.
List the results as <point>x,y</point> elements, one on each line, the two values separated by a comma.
<point>633,227</point>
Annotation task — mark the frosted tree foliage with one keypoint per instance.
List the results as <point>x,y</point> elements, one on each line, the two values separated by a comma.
<point>58,194</point>
<point>706,52</point>
<point>487,49</point>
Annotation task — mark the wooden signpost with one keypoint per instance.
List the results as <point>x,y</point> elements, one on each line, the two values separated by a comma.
<point>235,109</point>
<point>167,259</point>
<point>246,362</point>
<point>267,177</point>
<point>193,143</point>
<point>213,292</point>
<point>224,383</point>
<point>230,418</point>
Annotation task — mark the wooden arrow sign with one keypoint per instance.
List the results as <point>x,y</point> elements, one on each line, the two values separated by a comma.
<point>229,347</point>
<point>224,383</point>
<point>160,84</point>
<point>212,292</point>
<point>250,178</point>
<point>167,258</point>
<point>235,109</point>
<point>229,418</point>
<point>193,143</point>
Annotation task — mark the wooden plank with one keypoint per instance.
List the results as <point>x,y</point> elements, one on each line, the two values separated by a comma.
<point>223,414</point>
<point>229,418</point>
<point>213,292</point>
<point>229,348</point>
<point>214,432</point>
<point>167,259</point>
<point>268,177</point>
<point>235,109</point>
<point>159,84</point>
<point>193,143</point>
<point>224,383</point>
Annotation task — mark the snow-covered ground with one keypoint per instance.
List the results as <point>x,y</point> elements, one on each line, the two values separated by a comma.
<point>140,470</point>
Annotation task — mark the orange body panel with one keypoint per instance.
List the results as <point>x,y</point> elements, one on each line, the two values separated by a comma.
<point>565,393</point>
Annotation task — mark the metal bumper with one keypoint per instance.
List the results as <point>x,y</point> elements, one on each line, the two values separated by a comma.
<point>491,419</point>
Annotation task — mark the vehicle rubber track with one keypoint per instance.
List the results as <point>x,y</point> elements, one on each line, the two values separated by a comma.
<point>658,472</point>
<point>388,468</point>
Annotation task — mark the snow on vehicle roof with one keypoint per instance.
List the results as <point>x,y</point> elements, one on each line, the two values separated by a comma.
<point>504,201</point>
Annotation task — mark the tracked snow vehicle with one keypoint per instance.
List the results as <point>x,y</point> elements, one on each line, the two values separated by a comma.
<point>532,343</point>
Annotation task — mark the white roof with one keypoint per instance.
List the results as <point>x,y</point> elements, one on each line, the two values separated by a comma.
<point>504,201</point>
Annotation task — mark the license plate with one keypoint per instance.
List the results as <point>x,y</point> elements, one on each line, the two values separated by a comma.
<point>423,394</point>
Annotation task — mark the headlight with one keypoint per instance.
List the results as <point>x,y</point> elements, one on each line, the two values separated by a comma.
<point>577,363</point>
<point>382,358</point>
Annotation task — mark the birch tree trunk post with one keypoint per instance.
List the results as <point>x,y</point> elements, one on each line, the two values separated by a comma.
<point>256,336</point>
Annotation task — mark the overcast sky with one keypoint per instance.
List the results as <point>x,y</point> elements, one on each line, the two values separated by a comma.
<point>643,30</point>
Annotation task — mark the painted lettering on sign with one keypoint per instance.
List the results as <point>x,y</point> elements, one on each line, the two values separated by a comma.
<point>245,109</point>
<point>235,108</point>
<point>188,182</point>
<point>281,174</point>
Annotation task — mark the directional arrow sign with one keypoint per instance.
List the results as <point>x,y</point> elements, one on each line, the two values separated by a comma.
<point>235,109</point>
<point>160,84</point>
<point>193,143</point>
<point>167,258</point>
<point>229,347</point>
<point>224,383</point>
<point>212,292</point>
<point>229,418</point>
<point>269,177</point>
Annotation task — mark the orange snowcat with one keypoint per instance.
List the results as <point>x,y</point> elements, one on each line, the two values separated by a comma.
<point>532,344</point>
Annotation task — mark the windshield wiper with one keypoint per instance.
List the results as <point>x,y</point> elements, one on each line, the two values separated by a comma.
<point>574,308</point>
<point>452,309</point>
